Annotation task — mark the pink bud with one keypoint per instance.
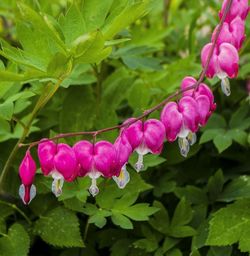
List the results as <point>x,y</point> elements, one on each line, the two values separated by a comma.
<point>145,137</point>
<point>224,63</point>
<point>203,96</point>
<point>27,170</point>
<point>181,120</point>
<point>96,160</point>
<point>238,8</point>
<point>233,33</point>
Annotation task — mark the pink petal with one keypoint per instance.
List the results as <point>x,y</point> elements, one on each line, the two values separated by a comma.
<point>105,158</point>
<point>27,169</point>
<point>84,151</point>
<point>65,161</point>
<point>186,83</point>
<point>212,65</point>
<point>228,59</point>
<point>123,151</point>
<point>46,153</point>
<point>203,109</point>
<point>172,120</point>
<point>154,135</point>
<point>237,27</point>
<point>134,132</point>
<point>188,107</point>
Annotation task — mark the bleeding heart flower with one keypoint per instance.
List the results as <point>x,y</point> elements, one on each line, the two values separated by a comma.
<point>233,33</point>
<point>123,151</point>
<point>96,160</point>
<point>224,63</point>
<point>27,171</point>
<point>59,161</point>
<point>145,137</point>
<point>181,120</point>
<point>238,8</point>
<point>203,96</point>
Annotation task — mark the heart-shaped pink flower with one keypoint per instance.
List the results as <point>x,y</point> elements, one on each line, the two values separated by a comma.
<point>224,63</point>
<point>96,160</point>
<point>58,161</point>
<point>181,119</point>
<point>27,171</point>
<point>145,137</point>
<point>238,8</point>
<point>203,96</point>
<point>233,33</point>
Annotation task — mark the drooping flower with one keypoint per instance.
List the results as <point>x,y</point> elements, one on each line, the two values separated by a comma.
<point>233,33</point>
<point>58,161</point>
<point>238,8</point>
<point>181,121</point>
<point>123,151</point>
<point>27,171</point>
<point>224,63</point>
<point>96,160</point>
<point>145,137</point>
<point>203,96</point>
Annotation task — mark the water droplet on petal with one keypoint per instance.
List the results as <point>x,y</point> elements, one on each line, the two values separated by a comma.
<point>191,138</point>
<point>184,146</point>
<point>225,86</point>
<point>139,164</point>
<point>123,179</point>
<point>57,185</point>
<point>93,189</point>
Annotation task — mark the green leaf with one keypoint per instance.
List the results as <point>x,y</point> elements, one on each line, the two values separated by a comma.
<point>183,214</point>
<point>122,221</point>
<point>121,18</point>
<point>215,185</point>
<point>73,24</point>
<point>239,136</point>
<point>183,231</point>
<point>239,116</point>
<point>160,220</point>
<point>16,242</point>
<point>95,12</point>
<point>223,141</point>
<point>231,225</point>
<point>218,251</point>
<point>169,243</point>
<point>6,110</point>
<point>238,188</point>
<point>139,212</point>
<point>210,134</point>
<point>149,245</point>
<point>216,121</point>
<point>99,218</point>
<point>60,227</point>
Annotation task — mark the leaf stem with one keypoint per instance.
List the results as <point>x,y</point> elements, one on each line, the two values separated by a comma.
<point>86,230</point>
<point>13,206</point>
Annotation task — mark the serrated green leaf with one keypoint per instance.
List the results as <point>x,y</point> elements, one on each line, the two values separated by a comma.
<point>60,227</point>
<point>231,225</point>
<point>16,242</point>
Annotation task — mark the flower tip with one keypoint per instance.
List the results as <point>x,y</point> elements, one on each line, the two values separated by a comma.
<point>27,193</point>
<point>123,179</point>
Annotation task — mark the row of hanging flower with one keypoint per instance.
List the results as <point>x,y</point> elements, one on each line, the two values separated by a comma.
<point>179,120</point>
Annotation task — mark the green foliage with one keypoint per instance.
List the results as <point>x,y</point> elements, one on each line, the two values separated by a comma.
<point>77,65</point>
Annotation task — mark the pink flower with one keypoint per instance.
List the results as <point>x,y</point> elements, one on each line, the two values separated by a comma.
<point>224,63</point>
<point>123,151</point>
<point>233,33</point>
<point>238,8</point>
<point>203,96</point>
<point>181,120</point>
<point>59,161</point>
<point>145,137</point>
<point>96,160</point>
<point>27,170</point>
